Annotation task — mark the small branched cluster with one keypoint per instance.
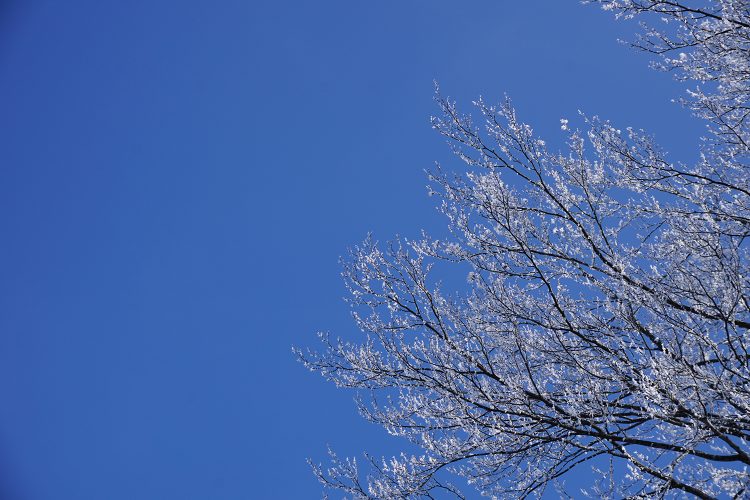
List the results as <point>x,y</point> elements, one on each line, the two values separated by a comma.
<point>607,310</point>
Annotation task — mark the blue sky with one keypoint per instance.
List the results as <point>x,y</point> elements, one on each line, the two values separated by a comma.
<point>178,181</point>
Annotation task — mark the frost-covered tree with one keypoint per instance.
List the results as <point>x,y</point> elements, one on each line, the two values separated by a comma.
<point>606,318</point>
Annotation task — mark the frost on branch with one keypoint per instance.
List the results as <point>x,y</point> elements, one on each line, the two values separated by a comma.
<point>605,320</point>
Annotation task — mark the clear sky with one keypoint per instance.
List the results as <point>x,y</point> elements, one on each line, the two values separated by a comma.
<point>177,182</point>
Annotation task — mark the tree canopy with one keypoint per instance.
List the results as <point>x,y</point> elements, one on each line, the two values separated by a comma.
<point>606,316</point>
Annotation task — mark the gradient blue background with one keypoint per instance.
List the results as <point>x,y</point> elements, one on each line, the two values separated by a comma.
<point>177,182</point>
